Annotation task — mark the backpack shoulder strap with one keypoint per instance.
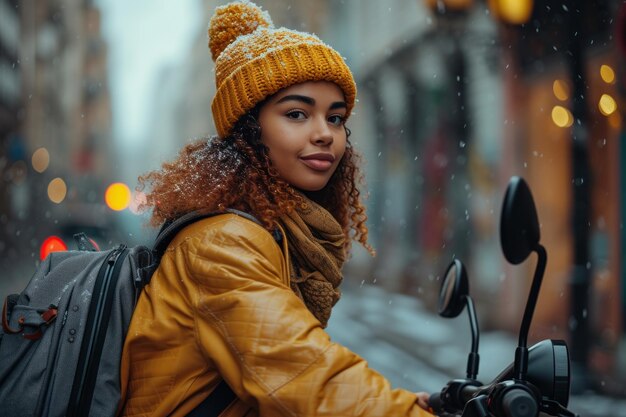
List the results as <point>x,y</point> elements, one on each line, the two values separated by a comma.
<point>171,228</point>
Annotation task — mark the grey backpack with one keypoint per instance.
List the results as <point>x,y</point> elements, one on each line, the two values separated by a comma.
<point>62,337</point>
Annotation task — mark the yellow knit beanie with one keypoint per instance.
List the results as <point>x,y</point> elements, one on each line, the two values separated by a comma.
<point>254,60</point>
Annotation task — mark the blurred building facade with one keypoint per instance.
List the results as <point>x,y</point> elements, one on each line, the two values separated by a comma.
<point>459,97</point>
<point>56,150</point>
<point>563,95</point>
<point>184,102</point>
<point>10,104</point>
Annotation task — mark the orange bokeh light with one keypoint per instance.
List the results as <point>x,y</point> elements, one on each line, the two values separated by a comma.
<point>117,196</point>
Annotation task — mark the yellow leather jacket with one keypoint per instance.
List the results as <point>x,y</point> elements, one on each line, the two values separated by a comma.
<point>220,305</point>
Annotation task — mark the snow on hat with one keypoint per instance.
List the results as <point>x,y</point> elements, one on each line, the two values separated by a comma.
<point>254,60</point>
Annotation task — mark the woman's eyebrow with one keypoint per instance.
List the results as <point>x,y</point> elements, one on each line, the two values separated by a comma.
<point>338,105</point>
<point>297,97</point>
<point>311,101</point>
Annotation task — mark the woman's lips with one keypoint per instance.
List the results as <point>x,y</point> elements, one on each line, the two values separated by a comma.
<point>320,161</point>
<point>317,164</point>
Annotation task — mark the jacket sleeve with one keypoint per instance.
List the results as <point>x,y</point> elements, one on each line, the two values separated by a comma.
<point>265,343</point>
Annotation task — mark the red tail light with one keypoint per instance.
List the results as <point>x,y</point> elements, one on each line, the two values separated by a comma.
<point>51,244</point>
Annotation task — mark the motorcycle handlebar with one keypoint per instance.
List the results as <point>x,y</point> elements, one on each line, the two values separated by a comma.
<point>453,401</point>
<point>470,391</point>
<point>514,402</point>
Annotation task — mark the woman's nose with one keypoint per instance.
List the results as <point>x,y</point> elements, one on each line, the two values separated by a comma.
<point>322,134</point>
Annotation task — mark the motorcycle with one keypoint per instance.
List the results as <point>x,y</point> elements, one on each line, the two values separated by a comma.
<point>538,381</point>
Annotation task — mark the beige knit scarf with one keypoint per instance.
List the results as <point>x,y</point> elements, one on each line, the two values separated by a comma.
<point>317,251</point>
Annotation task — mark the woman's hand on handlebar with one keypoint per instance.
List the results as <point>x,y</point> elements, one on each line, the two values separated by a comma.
<point>422,399</point>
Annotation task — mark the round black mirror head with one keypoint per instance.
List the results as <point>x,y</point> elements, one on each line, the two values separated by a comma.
<point>519,226</point>
<point>454,288</point>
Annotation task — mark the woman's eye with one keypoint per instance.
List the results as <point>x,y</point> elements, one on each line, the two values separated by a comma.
<point>336,120</point>
<point>296,114</point>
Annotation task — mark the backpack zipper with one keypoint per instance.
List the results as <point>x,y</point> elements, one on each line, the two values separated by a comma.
<point>95,333</point>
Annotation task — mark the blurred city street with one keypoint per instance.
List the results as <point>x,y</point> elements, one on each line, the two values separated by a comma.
<point>420,351</point>
<point>454,98</point>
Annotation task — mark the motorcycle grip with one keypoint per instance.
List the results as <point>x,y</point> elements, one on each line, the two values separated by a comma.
<point>435,403</point>
<point>519,403</point>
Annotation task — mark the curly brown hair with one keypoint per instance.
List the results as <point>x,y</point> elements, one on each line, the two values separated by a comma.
<point>236,172</point>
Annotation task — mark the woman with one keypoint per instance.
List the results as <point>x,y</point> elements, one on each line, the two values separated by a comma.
<point>247,302</point>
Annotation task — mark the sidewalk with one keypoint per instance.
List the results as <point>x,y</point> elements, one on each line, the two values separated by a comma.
<point>418,350</point>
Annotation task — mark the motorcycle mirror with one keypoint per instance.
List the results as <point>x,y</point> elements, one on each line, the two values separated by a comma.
<point>519,226</point>
<point>453,291</point>
<point>453,297</point>
<point>519,236</point>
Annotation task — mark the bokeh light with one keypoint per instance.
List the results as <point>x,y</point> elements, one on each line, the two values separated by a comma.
<point>40,160</point>
<point>138,200</point>
<point>562,117</point>
<point>607,74</point>
<point>117,196</point>
<point>515,12</point>
<point>560,89</point>
<point>607,105</point>
<point>57,190</point>
<point>51,244</point>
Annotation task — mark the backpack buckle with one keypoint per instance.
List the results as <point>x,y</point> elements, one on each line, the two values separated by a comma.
<point>45,318</point>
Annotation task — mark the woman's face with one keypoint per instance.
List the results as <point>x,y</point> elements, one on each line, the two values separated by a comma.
<point>303,127</point>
